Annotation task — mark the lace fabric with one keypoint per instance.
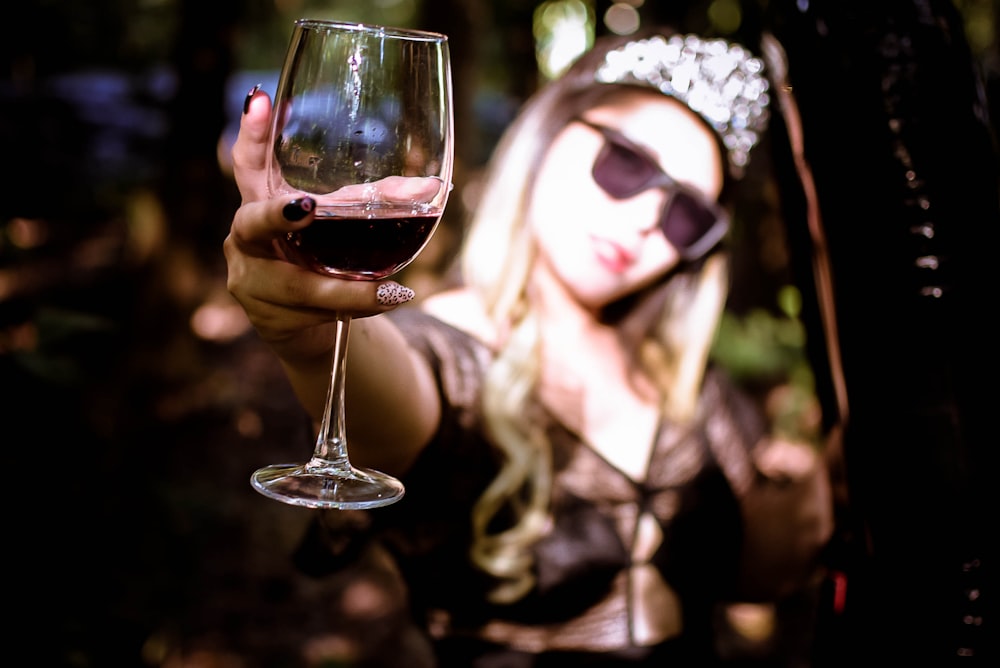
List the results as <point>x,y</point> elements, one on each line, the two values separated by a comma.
<point>625,565</point>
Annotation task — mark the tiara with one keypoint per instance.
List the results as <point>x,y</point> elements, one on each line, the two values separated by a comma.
<point>722,82</point>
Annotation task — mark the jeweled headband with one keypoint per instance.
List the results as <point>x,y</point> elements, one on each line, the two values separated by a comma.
<point>720,81</point>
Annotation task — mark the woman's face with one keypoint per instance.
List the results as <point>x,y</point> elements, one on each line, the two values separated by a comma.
<point>599,247</point>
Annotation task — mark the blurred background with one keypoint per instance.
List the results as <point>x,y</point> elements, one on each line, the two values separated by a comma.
<point>137,401</point>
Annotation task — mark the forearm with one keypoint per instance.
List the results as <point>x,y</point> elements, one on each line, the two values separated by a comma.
<point>788,519</point>
<point>392,405</point>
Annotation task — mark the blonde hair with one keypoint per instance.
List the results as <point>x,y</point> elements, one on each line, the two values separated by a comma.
<point>496,261</point>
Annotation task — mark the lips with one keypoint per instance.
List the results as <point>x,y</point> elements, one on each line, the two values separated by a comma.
<point>612,256</point>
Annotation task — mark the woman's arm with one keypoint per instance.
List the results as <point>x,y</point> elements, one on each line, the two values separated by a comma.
<point>788,519</point>
<point>392,408</point>
<point>784,492</point>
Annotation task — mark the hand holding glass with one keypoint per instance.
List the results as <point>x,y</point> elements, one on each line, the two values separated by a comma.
<point>362,123</point>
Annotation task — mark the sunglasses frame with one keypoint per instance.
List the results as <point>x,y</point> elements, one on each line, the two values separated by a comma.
<point>707,241</point>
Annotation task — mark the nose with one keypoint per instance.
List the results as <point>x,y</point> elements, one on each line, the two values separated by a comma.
<point>659,201</point>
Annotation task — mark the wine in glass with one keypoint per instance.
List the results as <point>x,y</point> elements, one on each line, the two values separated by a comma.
<point>362,123</point>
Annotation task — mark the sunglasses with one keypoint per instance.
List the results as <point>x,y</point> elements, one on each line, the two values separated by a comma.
<point>692,223</point>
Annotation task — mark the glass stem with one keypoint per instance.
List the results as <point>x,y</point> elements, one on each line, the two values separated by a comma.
<point>331,444</point>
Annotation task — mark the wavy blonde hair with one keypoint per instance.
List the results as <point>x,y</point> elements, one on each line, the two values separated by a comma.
<point>496,261</point>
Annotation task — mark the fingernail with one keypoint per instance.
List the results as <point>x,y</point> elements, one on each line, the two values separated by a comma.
<point>392,293</point>
<point>298,209</point>
<point>249,97</point>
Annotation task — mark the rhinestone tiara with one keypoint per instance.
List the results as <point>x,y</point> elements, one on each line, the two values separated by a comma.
<point>722,82</point>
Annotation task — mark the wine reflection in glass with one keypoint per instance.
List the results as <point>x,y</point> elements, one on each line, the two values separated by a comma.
<point>362,123</point>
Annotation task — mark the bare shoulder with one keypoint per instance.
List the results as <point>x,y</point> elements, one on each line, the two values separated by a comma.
<point>462,309</point>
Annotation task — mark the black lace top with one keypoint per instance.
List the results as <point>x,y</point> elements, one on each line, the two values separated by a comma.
<point>627,564</point>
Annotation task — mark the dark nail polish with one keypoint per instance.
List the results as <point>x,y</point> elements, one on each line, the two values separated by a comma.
<point>249,97</point>
<point>298,209</point>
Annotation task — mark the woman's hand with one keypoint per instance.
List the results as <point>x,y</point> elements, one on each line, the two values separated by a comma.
<point>292,308</point>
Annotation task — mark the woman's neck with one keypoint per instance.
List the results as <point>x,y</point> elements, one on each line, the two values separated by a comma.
<point>591,382</point>
<point>580,349</point>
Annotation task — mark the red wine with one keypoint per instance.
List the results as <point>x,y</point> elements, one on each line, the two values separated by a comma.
<point>367,242</point>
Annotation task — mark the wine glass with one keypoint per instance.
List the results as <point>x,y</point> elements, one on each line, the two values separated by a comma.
<point>362,122</point>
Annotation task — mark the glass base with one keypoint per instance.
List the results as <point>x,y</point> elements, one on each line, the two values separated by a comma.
<point>313,487</point>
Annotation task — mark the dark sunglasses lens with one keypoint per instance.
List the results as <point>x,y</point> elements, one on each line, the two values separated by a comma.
<point>686,220</point>
<point>621,172</point>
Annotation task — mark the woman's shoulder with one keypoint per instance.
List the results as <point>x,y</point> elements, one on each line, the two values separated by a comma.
<point>464,310</point>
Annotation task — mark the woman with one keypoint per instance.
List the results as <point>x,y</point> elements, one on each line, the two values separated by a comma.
<point>582,487</point>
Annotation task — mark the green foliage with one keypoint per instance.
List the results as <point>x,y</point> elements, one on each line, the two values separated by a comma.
<point>765,352</point>
<point>759,345</point>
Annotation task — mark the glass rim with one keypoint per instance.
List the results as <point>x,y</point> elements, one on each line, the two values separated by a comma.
<point>371,28</point>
